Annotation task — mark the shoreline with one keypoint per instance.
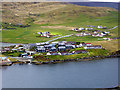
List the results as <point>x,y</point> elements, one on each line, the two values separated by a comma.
<point>67,60</point>
<point>13,43</point>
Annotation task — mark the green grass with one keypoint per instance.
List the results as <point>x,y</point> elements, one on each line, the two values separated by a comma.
<point>28,34</point>
<point>14,54</point>
<point>90,53</point>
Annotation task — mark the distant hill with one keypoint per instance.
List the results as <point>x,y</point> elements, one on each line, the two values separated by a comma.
<point>49,12</point>
<point>98,4</point>
<point>22,20</point>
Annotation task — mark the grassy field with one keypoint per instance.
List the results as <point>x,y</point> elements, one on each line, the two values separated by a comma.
<point>28,34</point>
<point>58,20</point>
<point>111,46</point>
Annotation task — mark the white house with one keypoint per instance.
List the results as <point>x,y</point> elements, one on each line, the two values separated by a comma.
<point>103,33</point>
<point>55,42</point>
<point>81,28</point>
<point>88,28</point>
<point>48,53</point>
<point>59,53</point>
<point>100,27</point>
<point>107,32</point>
<point>73,29</point>
<point>39,32</point>
<point>93,47</point>
<point>60,48</point>
<point>88,44</point>
<point>52,53</point>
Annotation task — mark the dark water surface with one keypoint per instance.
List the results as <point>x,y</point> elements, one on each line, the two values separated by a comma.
<point>86,74</point>
<point>99,4</point>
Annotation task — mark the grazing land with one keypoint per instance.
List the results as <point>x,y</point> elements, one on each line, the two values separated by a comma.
<point>21,24</point>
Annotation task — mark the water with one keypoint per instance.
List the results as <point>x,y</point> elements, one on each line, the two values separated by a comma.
<point>98,4</point>
<point>10,44</point>
<point>86,74</point>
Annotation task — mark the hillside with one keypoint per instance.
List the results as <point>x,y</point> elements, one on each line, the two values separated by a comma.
<point>57,18</point>
<point>48,12</point>
<point>19,12</point>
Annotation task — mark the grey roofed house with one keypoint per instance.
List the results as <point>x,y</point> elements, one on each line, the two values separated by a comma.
<point>71,42</point>
<point>61,43</point>
<point>41,43</point>
<point>90,26</point>
<point>93,47</point>
<point>49,46</point>
<point>99,27</point>
<point>66,53</point>
<point>37,44</point>
<point>39,32</point>
<point>82,44</point>
<point>24,54</point>
<point>14,49</point>
<point>52,53</point>
<point>60,48</point>
<point>46,46</point>
<point>53,49</point>
<point>46,42</point>
<point>46,32</point>
<point>79,51</point>
<point>52,44</point>
<point>20,48</point>
<point>40,49</point>
<point>70,46</point>
<point>55,42</point>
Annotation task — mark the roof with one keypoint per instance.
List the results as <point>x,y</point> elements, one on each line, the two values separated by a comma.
<point>65,52</point>
<point>53,52</point>
<point>78,51</point>
<point>55,42</point>
<point>87,43</point>
<point>30,51</point>
<point>70,45</point>
<point>95,46</point>
<point>61,47</point>
<point>53,48</point>
<point>40,46</point>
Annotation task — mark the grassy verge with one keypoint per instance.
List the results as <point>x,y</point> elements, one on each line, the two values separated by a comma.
<point>95,52</point>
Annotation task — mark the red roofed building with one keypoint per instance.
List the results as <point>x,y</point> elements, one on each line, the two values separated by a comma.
<point>88,44</point>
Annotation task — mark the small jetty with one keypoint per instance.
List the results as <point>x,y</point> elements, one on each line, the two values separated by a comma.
<point>22,60</point>
<point>4,61</point>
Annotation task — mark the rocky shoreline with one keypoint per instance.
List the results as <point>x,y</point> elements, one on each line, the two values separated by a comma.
<point>67,60</point>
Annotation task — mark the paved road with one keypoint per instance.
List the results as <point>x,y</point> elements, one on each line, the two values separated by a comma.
<point>59,38</point>
<point>21,59</point>
<point>113,28</point>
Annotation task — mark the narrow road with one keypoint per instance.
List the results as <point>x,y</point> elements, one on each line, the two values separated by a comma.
<point>113,28</point>
<point>21,59</point>
<point>59,38</point>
